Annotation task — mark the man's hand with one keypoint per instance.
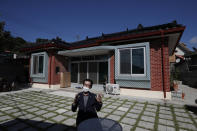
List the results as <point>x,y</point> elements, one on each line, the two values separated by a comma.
<point>76,98</point>
<point>99,98</point>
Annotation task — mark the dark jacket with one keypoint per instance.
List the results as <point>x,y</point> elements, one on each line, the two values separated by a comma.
<point>90,110</point>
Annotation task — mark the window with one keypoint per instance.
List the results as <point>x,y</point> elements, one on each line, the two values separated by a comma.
<point>138,61</point>
<point>38,64</point>
<point>132,61</point>
<point>125,61</point>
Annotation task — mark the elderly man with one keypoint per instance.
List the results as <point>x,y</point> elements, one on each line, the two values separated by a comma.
<point>87,102</point>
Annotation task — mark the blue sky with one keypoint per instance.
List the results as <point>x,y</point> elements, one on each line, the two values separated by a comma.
<point>73,20</point>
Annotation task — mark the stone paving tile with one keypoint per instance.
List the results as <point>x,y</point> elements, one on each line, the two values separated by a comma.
<point>12,111</point>
<point>118,113</point>
<point>114,104</point>
<point>135,111</point>
<point>48,115</point>
<point>181,119</point>
<point>152,106</point>
<point>193,115</point>
<point>69,122</point>
<point>163,116</point>
<point>138,107</point>
<point>165,112</point>
<point>147,125</point>
<point>70,113</point>
<point>179,110</point>
<point>182,114</point>
<point>132,115</point>
<point>6,108</point>
<point>5,117</point>
<point>123,109</point>
<point>9,123</point>
<point>140,104</point>
<point>17,114</point>
<point>60,111</point>
<point>126,127</point>
<point>107,110</point>
<point>40,112</point>
<point>187,126</point>
<point>59,118</point>
<point>37,119</point>
<point>182,129</point>
<point>129,121</point>
<point>147,113</point>
<point>52,108</point>
<point>27,116</point>
<point>112,107</point>
<point>114,117</point>
<point>67,107</point>
<point>44,107</point>
<point>33,109</point>
<point>165,128</point>
<point>166,122</point>
<point>164,108</point>
<point>61,105</point>
<point>147,118</point>
<point>150,109</point>
<point>129,103</point>
<point>141,129</point>
<point>101,114</point>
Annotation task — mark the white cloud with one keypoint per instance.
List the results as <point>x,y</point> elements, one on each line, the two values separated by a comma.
<point>193,40</point>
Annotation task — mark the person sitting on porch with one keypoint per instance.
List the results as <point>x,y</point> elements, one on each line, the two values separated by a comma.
<point>87,102</point>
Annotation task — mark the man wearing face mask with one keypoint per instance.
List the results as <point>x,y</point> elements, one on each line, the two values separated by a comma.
<point>87,102</point>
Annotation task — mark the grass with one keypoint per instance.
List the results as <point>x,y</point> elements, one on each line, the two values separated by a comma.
<point>174,118</point>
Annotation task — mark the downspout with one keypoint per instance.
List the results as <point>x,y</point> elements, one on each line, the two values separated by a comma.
<point>163,63</point>
<point>50,71</point>
<point>30,80</point>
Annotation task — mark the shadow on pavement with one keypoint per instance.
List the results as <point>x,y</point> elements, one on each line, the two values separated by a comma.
<point>31,125</point>
<point>191,108</point>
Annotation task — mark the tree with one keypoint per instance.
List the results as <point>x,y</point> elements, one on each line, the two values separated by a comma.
<point>8,42</point>
<point>41,40</point>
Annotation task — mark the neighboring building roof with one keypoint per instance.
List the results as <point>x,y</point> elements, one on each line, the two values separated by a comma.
<point>184,48</point>
<point>139,32</point>
<point>46,45</point>
<point>191,54</point>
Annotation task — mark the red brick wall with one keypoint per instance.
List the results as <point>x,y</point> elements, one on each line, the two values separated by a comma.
<point>112,69</point>
<point>156,66</point>
<point>61,62</point>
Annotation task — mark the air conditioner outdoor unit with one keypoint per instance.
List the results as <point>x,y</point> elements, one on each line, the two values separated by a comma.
<point>112,89</point>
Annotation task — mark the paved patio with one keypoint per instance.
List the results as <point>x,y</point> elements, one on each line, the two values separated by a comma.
<point>44,110</point>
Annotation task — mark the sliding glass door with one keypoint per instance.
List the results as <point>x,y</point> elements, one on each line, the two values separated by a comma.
<point>96,71</point>
<point>83,71</point>
<point>93,71</point>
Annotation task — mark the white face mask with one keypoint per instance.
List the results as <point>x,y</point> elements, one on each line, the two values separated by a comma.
<point>85,89</point>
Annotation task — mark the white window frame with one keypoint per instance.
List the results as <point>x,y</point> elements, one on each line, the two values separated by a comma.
<point>135,75</point>
<point>32,64</point>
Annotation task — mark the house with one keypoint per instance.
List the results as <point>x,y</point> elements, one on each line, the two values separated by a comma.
<point>187,69</point>
<point>179,53</point>
<point>178,57</point>
<point>137,60</point>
